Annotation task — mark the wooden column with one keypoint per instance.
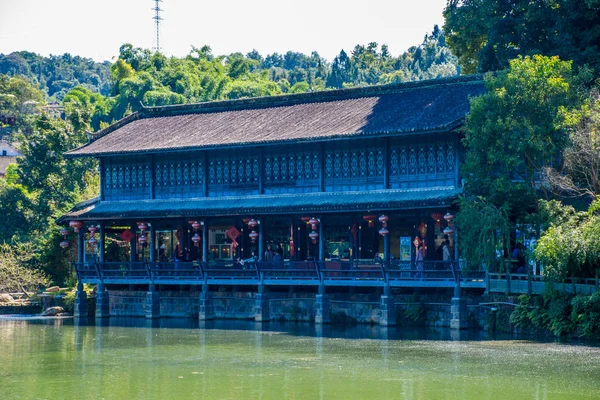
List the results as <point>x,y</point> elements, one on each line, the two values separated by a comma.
<point>80,246</point>
<point>133,244</point>
<point>386,247</point>
<point>386,164</point>
<point>151,242</point>
<point>205,178</point>
<point>261,171</point>
<point>101,247</point>
<point>322,167</point>
<point>261,240</point>
<point>101,170</point>
<point>205,240</point>
<point>152,177</point>
<point>321,241</point>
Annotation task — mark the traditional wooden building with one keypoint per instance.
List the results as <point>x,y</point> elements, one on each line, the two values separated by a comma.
<point>335,178</point>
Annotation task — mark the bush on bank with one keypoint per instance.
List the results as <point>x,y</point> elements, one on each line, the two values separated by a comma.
<point>560,313</point>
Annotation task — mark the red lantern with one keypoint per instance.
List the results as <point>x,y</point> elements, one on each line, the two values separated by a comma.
<point>253,235</point>
<point>306,220</point>
<point>384,231</point>
<point>92,230</point>
<point>142,226</point>
<point>314,236</point>
<point>422,229</point>
<point>370,219</point>
<point>437,216</point>
<point>76,225</point>
<point>196,239</point>
<point>252,223</point>
<point>196,225</point>
<point>64,244</point>
<point>448,217</point>
<point>246,220</point>
<point>383,219</point>
<point>93,241</point>
<point>142,239</point>
<point>127,235</point>
<point>314,222</point>
<point>64,232</point>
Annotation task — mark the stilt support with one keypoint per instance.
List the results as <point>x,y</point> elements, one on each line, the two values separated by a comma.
<point>152,307</point>
<point>206,311</point>
<point>322,310</point>
<point>387,308</point>
<point>102,303</point>
<point>80,308</point>
<point>261,306</point>
<point>459,313</point>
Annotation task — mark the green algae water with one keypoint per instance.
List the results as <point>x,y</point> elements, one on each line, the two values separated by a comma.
<point>167,359</point>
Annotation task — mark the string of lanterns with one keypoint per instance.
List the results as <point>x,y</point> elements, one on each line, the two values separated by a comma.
<point>196,238</point>
<point>448,230</point>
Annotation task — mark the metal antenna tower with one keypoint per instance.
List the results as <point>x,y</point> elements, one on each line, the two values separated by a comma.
<point>157,18</point>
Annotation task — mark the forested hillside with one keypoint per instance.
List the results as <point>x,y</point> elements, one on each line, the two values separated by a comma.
<point>108,91</point>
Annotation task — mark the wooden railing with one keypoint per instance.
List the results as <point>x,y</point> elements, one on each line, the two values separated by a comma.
<point>332,273</point>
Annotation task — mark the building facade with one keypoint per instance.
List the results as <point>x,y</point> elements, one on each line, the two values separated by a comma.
<point>342,178</point>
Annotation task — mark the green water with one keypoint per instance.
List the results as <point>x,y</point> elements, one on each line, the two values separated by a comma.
<point>177,360</point>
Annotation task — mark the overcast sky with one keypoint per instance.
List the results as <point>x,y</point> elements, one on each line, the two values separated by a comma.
<point>97,28</point>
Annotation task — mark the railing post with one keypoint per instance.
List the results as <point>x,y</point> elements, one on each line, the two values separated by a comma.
<point>529,283</point>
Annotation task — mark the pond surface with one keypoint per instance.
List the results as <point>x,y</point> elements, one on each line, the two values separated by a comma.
<point>172,359</point>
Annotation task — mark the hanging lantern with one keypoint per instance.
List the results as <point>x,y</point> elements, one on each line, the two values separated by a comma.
<point>384,231</point>
<point>448,230</point>
<point>448,217</point>
<point>142,226</point>
<point>76,225</point>
<point>196,225</point>
<point>314,236</point>
<point>253,235</point>
<point>252,223</point>
<point>64,244</point>
<point>313,222</point>
<point>64,232</point>
<point>92,230</point>
<point>93,241</point>
<point>143,239</point>
<point>196,239</point>
<point>437,217</point>
<point>422,229</point>
<point>306,220</point>
<point>383,219</point>
<point>246,220</point>
<point>370,219</point>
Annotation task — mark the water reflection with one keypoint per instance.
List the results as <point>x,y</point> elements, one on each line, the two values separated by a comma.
<point>139,358</point>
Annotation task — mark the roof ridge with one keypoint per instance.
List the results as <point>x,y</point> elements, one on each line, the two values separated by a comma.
<point>307,97</point>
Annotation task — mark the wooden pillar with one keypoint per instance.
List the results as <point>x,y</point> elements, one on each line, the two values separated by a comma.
<point>321,241</point>
<point>101,171</point>
<point>152,177</point>
<point>151,242</point>
<point>133,244</point>
<point>261,240</point>
<point>205,240</point>
<point>386,164</point>
<point>322,168</point>
<point>386,247</point>
<point>205,177</point>
<point>101,247</point>
<point>80,246</point>
<point>261,171</point>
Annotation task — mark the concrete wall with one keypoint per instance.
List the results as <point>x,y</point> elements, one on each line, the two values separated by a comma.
<point>423,310</point>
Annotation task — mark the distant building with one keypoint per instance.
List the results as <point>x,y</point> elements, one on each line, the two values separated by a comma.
<point>8,155</point>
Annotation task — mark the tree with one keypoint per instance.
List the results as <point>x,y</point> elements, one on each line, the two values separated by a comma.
<point>517,128</point>
<point>486,34</point>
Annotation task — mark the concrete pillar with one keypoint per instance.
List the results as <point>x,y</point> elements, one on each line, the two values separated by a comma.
<point>102,304</point>
<point>459,314</point>
<point>321,240</point>
<point>387,309</point>
<point>207,310</point>
<point>133,244</point>
<point>205,241</point>
<point>261,305</point>
<point>261,240</point>
<point>152,306</point>
<point>151,243</point>
<point>80,308</point>
<point>322,307</point>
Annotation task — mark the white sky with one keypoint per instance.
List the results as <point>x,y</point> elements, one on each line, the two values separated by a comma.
<point>97,29</point>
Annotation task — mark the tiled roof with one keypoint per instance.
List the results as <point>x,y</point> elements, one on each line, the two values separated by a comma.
<point>406,108</point>
<point>376,200</point>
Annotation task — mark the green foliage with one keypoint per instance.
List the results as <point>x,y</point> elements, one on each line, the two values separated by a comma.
<point>486,34</point>
<point>19,99</point>
<point>559,313</point>
<point>484,230</point>
<point>19,271</point>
